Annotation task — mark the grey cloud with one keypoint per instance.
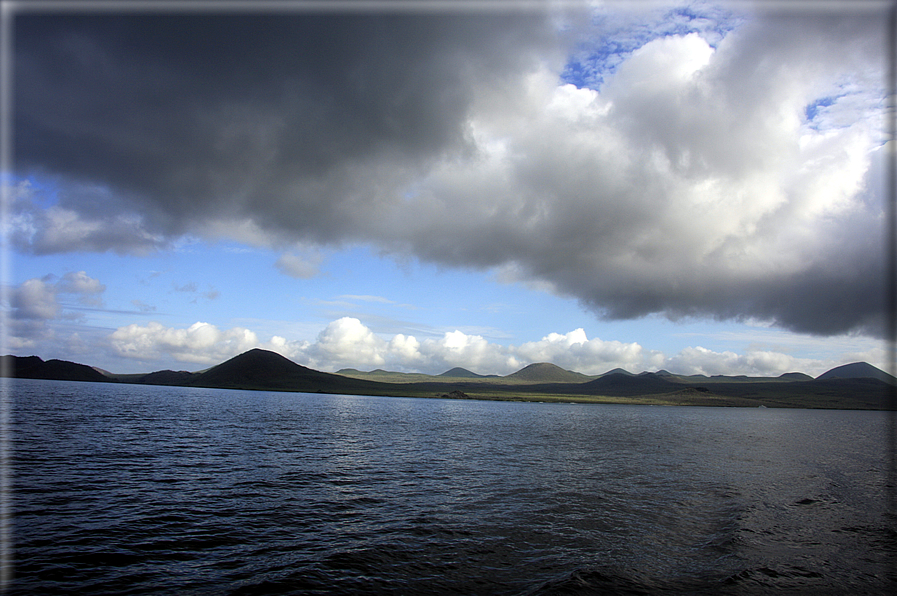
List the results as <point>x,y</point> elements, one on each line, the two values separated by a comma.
<point>35,306</point>
<point>35,299</point>
<point>250,115</point>
<point>87,289</point>
<point>143,306</point>
<point>84,219</point>
<point>299,266</point>
<point>189,287</point>
<point>446,138</point>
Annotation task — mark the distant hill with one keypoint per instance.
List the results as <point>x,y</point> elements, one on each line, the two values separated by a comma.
<point>168,377</point>
<point>796,376</point>
<point>623,384</point>
<point>383,376</point>
<point>857,370</point>
<point>263,369</point>
<point>32,367</point>
<point>463,373</point>
<point>377,372</point>
<point>618,371</point>
<point>544,372</point>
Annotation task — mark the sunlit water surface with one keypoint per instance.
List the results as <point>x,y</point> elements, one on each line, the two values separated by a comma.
<point>124,489</point>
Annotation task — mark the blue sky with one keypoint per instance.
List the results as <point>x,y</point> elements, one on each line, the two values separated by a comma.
<point>689,186</point>
<point>188,285</point>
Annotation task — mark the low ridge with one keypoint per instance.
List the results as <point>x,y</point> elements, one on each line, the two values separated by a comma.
<point>33,367</point>
<point>461,373</point>
<point>168,377</point>
<point>620,384</point>
<point>546,372</point>
<point>796,376</point>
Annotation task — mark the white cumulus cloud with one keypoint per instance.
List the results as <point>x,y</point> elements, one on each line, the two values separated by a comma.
<point>346,342</point>
<point>201,343</point>
<point>574,351</point>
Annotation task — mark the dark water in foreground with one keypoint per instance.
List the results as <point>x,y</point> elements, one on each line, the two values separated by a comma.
<point>152,490</point>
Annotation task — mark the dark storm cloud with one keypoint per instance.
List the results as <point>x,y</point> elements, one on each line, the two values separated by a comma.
<point>256,115</point>
<point>695,182</point>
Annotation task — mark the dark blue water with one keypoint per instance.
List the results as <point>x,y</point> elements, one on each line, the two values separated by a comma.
<point>122,489</point>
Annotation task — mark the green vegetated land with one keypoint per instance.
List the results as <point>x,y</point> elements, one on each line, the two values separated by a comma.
<point>853,386</point>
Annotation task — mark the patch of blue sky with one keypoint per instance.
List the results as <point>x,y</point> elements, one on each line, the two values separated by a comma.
<point>425,300</point>
<point>848,105</point>
<point>39,191</point>
<point>613,35</point>
<point>812,109</point>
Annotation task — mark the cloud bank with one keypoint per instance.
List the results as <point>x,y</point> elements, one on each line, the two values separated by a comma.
<point>729,168</point>
<point>349,343</point>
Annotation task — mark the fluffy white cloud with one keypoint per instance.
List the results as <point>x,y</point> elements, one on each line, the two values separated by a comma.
<point>405,349</point>
<point>661,67</point>
<point>345,343</point>
<point>201,343</point>
<point>473,352</point>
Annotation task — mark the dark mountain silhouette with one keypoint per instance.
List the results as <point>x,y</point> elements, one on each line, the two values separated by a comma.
<point>265,370</point>
<point>618,371</point>
<point>168,377</point>
<point>796,376</point>
<point>262,369</point>
<point>545,372</point>
<point>463,373</point>
<point>32,367</point>
<point>857,370</point>
<point>620,384</point>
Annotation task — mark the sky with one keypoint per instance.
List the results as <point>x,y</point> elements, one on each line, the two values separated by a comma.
<point>690,186</point>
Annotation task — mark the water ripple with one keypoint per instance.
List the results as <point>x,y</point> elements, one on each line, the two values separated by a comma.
<point>153,490</point>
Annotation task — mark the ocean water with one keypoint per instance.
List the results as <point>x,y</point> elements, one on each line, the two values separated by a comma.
<point>123,489</point>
